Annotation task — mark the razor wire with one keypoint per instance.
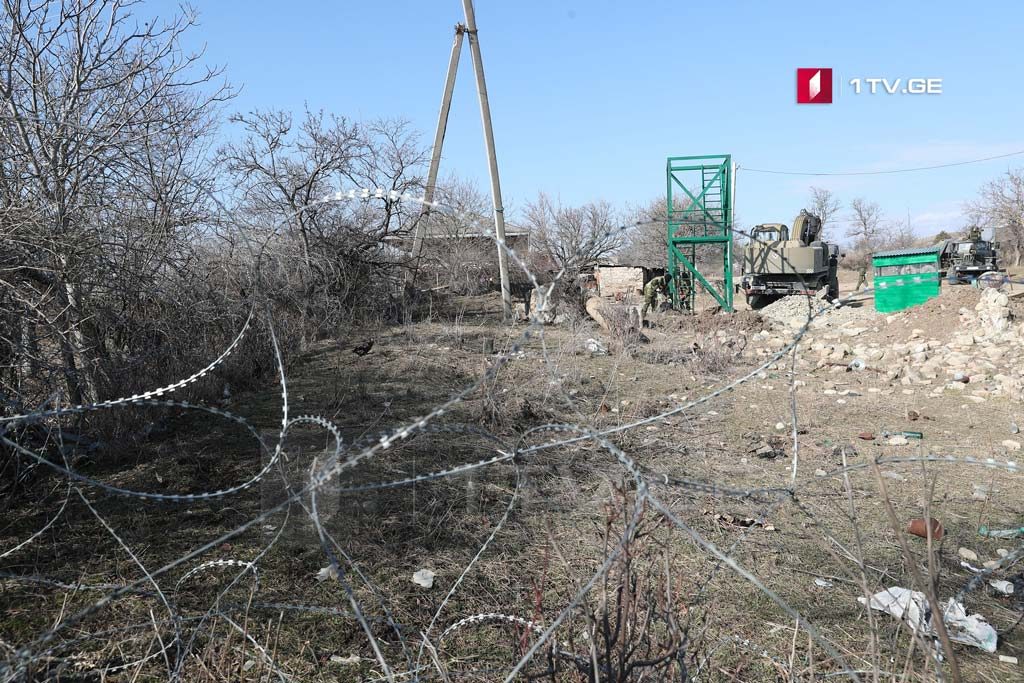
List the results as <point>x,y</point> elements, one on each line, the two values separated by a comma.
<point>345,458</point>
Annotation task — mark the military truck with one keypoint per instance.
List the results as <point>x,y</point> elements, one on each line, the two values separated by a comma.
<point>778,262</point>
<point>965,260</point>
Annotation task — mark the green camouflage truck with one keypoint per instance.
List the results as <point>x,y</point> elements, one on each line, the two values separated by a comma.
<point>778,262</point>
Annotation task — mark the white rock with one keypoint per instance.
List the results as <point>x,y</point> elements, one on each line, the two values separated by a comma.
<point>968,555</point>
<point>1011,445</point>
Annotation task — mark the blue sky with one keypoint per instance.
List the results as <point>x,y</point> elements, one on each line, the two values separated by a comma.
<point>589,98</point>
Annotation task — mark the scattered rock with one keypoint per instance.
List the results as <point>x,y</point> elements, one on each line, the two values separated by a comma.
<point>968,555</point>
<point>328,573</point>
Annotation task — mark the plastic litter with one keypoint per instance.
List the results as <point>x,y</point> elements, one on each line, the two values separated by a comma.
<point>1004,587</point>
<point>857,364</point>
<point>912,607</point>
<point>1000,533</point>
<point>424,578</point>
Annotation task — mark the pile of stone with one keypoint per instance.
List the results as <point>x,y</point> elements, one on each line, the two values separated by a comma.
<point>984,359</point>
<point>792,311</point>
<point>991,317</point>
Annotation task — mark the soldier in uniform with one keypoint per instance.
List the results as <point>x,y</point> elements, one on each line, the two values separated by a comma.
<point>974,234</point>
<point>652,289</point>
<point>683,288</point>
<point>862,277</point>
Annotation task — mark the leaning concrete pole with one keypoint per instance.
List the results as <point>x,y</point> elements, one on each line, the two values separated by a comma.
<point>492,160</point>
<point>435,157</point>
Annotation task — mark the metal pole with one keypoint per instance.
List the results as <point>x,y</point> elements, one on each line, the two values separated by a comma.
<point>485,115</point>
<point>730,231</point>
<point>435,158</point>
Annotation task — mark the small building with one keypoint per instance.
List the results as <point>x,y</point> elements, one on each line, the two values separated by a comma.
<point>621,282</point>
<point>905,277</point>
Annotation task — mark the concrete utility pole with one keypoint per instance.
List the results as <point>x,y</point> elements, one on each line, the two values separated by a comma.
<point>435,158</point>
<point>492,160</point>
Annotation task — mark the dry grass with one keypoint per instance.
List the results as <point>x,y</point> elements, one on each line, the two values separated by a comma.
<point>667,599</point>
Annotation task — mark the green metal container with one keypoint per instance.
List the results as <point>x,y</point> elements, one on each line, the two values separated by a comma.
<point>905,278</point>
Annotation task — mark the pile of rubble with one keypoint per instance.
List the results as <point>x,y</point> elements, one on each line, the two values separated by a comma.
<point>984,357</point>
<point>793,311</point>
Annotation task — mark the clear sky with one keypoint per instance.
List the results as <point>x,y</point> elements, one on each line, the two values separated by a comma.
<point>588,98</point>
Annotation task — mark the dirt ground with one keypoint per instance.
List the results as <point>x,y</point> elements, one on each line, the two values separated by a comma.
<point>805,520</point>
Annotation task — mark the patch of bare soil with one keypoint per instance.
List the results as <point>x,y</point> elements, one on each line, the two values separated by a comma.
<point>934,317</point>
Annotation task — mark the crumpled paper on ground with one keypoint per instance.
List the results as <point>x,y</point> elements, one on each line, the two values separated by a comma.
<point>912,607</point>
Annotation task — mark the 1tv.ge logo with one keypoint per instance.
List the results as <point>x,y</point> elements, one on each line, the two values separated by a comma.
<point>814,86</point>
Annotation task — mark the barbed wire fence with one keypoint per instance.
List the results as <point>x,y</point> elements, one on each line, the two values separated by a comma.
<point>181,629</point>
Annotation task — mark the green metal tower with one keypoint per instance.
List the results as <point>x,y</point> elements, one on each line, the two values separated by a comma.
<point>699,203</point>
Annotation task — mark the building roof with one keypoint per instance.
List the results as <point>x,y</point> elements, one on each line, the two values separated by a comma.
<point>918,251</point>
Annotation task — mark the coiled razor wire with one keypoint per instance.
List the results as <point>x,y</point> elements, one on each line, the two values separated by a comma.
<point>342,458</point>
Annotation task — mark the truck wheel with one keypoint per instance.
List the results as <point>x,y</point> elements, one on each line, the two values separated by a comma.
<point>758,301</point>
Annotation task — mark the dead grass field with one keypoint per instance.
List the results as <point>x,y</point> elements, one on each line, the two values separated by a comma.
<point>816,542</point>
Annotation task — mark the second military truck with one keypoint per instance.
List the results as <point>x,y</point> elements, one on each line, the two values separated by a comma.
<point>778,262</point>
<point>964,260</point>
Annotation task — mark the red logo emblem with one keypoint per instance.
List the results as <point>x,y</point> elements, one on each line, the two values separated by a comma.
<point>814,86</point>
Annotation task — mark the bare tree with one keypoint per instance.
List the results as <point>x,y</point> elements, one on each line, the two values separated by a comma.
<point>865,230</point>
<point>572,238</point>
<point>646,242</point>
<point>824,205</point>
<point>898,235</point>
<point>1001,204</point>
<point>459,251</point>
<point>102,126</point>
<point>330,258</point>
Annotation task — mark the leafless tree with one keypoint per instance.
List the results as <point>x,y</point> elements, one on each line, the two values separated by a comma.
<point>103,122</point>
<point>824,205</point>
<point>865,230</point>
<point>458,252</point>
<point>1000,203</point>
<point>329,258</point>
<point>645,243</point>
<point>572,238</point>
<point>898,235</point>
